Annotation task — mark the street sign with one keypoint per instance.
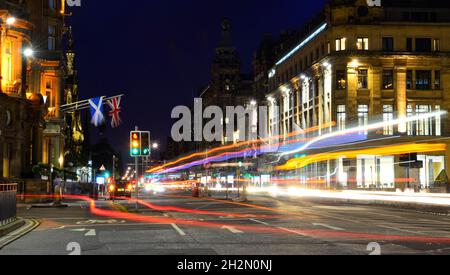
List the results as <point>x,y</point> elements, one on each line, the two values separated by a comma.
<point>103,168</point>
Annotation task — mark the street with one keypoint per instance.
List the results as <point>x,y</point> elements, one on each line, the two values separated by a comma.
<point>261,226</point>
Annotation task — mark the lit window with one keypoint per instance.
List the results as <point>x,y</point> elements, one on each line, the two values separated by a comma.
<point>388,80</point>
<point>363,79</point>
<point>341,44</point>
<point>362,44</point>
<point>363,116</point>
<point>437,80</point>
<point>436,45</point>
<point>423,80</point>
<point>388,116</point>
<point>341,80</point>
<point>341,117</point>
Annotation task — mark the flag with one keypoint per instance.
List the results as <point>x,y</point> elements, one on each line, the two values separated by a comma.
<point>97,111</point>
<point>114,104</point>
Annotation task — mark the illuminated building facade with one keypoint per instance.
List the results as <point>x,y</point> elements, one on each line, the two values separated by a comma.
<point>32,79</point>
<point>362,62</point>
<point>47,73</point>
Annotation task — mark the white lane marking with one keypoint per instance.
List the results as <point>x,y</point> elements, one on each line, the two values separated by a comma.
<point>178,229</point>
<point>89,233</point>
<point>260,222</point>
<point>401,230</point>
<point>232,230</point>
<point>291,231</point>
<point>329,226</point>
<point>431,221</point>
<point>385,215</point>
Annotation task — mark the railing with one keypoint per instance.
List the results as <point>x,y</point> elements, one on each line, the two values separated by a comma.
<point>8,203</point>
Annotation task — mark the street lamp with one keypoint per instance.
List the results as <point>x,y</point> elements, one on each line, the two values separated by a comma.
<point>28,52</point>
<point>10,21</point>
<point>155,146</point>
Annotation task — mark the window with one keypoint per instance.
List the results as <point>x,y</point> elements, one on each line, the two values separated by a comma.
<point>388,80</point>
<point>49,93</point>
<point>341,117</point>
<point>424,126</point>
<point>52,4</point>
<point>409,80</point>
<point>436,45</point>
<point>363,116</point>
<point>8,64</point>
<point>328,48</point>
<point>388,44</point>
<point>341,44</point>
<point>437,80</point>
<point>423,45</point>
<point>423,80</point>
<point>363,79</point>
<point>362,44</point>
<point>409,45</point>
<point>51,38</point>
<point>341,80</point>
<point>388,115</point>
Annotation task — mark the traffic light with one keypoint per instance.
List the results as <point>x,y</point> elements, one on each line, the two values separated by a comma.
<point>145,144</point>
<point>135,144</point>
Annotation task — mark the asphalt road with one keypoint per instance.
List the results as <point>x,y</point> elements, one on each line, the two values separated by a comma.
<point>263,226</point>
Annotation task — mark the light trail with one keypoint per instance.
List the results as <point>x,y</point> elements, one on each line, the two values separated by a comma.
<point>293,192</point>
<point>380,125</point>
<point>383,151</point>
<point>259,150</point>
<point>245,143</point>
<point>251,228</point>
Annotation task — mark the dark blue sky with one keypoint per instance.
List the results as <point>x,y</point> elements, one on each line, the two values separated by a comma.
<point>159,53</point>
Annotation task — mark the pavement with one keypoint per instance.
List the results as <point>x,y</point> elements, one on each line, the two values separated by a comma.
<point>177,224</point>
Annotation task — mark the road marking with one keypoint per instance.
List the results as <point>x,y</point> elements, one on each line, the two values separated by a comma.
<point>291,231</point>
<point>401,230</point>
<point>385,215</point>
<point>328,226</point>
<point>178,229</point>
<point>232,230</point>
<point>260,222</point>
<point>89,233</point>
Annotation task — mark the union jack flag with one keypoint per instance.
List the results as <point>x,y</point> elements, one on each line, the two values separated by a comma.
<point>114,104</point>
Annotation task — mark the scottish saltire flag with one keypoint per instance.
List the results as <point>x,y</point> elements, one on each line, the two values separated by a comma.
<point>114,104</point>
<point>97,111</point>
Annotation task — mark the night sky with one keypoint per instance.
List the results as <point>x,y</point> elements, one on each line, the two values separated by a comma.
<point>159,53</point>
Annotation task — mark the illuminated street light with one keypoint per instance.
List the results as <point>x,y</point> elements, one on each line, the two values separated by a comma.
<point>253,103</point>
<point>155,146</point>
<point>28,52</point>
<point>10,21</point>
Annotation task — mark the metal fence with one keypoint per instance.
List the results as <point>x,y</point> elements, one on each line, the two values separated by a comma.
<point>8,202</point>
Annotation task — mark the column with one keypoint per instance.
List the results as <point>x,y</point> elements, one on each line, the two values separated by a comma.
<point>352,93</point>
<point>401,97</point>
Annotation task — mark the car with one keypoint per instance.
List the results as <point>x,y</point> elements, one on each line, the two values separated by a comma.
<point>120,189</point>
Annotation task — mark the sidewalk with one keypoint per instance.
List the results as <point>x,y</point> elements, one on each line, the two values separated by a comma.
<point>16,230</point>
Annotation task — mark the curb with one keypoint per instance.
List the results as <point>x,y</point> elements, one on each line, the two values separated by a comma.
<point>16,231</point>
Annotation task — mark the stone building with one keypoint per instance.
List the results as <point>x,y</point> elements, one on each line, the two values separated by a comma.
<point>32,78</point>
<point>366,62</point>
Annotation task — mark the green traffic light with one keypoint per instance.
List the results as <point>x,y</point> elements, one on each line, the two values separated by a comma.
<point>135,152</point>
